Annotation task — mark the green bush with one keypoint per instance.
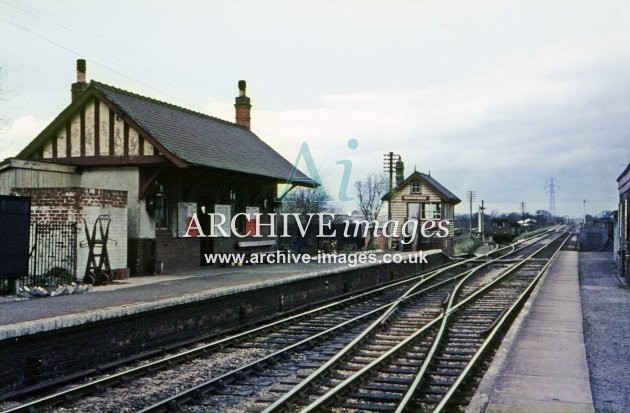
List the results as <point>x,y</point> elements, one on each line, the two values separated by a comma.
<point>464,244</point>
<point>59,275</point>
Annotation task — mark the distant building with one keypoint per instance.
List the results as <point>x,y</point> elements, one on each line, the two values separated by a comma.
<point>150,166</point>
<point>597,235</point>
<point>422,198</point>
<point>622,230</point>
<point>505,230</point>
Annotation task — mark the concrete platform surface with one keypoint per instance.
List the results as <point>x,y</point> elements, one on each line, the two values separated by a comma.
<point>606,311</point>
<point>541,365</point>
<point>140,294</point>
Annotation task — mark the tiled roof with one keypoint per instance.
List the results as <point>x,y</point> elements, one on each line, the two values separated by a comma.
<point>199,139</point>
<point>444,193</point>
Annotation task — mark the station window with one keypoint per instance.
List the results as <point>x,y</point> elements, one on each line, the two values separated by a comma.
<point>416,188</point>
<point>431,210</point>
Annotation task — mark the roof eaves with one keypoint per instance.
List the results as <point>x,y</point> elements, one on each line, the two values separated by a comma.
<point>144,131</point>
<point>440,188</point>
<point>431,182</point>
<point>624,173</point>
<point>55,124</point>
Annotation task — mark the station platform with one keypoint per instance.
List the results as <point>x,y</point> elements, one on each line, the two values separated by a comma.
<point>142,294</point>
<point>541,365</point>
<point>44,340</point>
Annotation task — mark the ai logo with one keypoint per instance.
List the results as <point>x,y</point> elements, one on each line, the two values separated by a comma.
<point>313,174</point>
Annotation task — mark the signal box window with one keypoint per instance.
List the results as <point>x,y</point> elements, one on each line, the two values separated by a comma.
<point>415,187</point>
<point>431,210</point>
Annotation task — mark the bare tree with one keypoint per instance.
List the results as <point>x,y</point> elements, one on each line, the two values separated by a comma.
<point>305,200</point>
<point>370,192</point>
<point>301,202</point>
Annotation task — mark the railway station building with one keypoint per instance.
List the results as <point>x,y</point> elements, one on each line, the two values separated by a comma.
<point>148,166</point>
<point>622,230</point>
<point>421,197</point>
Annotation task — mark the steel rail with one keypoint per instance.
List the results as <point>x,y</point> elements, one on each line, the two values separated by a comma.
<point>287,398</point>
<point>437,340</point>
<point>187,395</point>
<point>112,379</point>
<point>388,309</point>
<point>450,310</point>
<point>284,402</point>
<point>518,265</point>
<point>497,328</point>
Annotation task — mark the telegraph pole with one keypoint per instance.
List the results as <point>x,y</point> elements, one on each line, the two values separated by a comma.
<point>523,213</point>
<point>388,167</point>
<point>470,197</point>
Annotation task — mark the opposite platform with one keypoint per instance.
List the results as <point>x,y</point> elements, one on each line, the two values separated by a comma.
<point>541,365</point>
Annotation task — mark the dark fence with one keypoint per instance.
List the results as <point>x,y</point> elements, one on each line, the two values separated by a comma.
<point>53,254</point>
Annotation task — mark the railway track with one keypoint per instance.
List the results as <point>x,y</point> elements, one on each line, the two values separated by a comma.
<point>266,367</point>
<point>423,371</point>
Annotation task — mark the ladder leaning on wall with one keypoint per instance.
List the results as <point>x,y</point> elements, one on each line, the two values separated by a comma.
<point>98,270</point>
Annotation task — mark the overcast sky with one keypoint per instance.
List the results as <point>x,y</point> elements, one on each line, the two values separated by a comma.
<point>495,97</point>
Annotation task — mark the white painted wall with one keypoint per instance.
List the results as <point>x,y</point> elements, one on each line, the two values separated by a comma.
<point>139,223</point>
<point>117,242</point>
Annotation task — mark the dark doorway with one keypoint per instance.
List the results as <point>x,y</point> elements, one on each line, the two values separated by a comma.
<point>206,244</point>
<point>15,217</point>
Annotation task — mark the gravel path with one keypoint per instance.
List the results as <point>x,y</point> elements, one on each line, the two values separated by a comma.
<point>606,312</point>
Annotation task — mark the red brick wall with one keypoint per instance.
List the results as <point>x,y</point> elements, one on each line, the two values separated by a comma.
<point>76,204</point>
<point>103,198</point>
<point>52,204</point>
<point>65,204</point>
<point>177,253</point>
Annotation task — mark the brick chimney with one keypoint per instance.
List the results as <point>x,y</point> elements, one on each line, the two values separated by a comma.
<point>81,84</point>
<point>400,171</point>
<point>242,106</point>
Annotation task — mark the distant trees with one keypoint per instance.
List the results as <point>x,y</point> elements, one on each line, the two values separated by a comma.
<point>604,214</point>
<point>305,200</point>
<point>544,217</point>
